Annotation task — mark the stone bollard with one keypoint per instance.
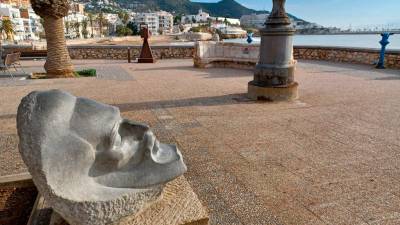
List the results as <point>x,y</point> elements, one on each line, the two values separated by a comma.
<point>129,55</point>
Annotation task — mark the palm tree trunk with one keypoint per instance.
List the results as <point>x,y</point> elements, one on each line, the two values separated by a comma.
<point>58,63</point>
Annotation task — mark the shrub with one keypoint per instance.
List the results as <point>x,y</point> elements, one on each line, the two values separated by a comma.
<point>86,73</point>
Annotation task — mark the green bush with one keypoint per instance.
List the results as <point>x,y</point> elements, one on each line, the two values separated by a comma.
<point>123,31</point>
<point>86,73</point>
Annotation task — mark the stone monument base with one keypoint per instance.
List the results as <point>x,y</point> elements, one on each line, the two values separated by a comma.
<point>179,206</point>
<point>277,93</point>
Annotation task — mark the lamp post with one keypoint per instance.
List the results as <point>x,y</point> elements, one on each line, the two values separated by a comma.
<point>274,73</point>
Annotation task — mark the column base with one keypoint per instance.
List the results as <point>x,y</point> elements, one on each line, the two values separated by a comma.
<point>277,93</point>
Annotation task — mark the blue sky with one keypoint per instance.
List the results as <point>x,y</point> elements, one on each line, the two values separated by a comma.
<point>340,13</point>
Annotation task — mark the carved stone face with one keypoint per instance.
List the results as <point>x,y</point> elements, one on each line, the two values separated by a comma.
<point>79,150</point>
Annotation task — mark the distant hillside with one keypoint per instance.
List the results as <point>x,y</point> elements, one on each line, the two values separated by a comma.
<point>223,8</point>
<point>227,8</point>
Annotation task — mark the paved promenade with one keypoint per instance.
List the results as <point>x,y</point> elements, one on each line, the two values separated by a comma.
<point>332,157</point>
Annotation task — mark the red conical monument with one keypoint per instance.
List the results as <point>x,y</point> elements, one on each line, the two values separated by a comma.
<point>146,55</point>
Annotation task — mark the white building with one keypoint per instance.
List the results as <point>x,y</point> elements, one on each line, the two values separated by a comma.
<point>158,22</point>
<point>231,21</point>
<point>113,21</point>
<point>150,19</point>
<point>35,23</point>
<point>165,21</point>
<point>70,21</point>
<point>201,17</point>
<point>254,20</point>
<point>229,30</point>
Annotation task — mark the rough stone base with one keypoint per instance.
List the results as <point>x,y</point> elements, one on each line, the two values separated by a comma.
<point>179,206</point>
<point>280,93</point>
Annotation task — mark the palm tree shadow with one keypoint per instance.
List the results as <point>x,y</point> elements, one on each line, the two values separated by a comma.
<point>208,72</point>
<point>389,78</point>
<point>231,99</point>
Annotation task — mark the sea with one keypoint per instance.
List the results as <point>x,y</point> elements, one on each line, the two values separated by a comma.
<point>349,40</point>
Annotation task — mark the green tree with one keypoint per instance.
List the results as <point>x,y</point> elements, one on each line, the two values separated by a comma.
<point>177,19</point>
<point>133,27</point>
<point>7,27</point>
<point>123,31</point>
<point>124,16</point>
<point>102,21</point>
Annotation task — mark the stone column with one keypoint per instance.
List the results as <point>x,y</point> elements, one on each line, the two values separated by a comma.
<point>274,73</point>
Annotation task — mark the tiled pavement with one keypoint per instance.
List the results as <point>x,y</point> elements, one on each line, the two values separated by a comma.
<point>332,157</point>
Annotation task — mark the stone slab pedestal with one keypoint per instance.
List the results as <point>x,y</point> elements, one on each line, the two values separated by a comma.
<point>275,93</point>
<point>179,206</point>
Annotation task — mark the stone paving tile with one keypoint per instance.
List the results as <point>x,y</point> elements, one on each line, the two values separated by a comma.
<point>334,214</point>
<point>7,82</point>
<point>113,73</point>
<point>300,216</point>
<point>10,161</point>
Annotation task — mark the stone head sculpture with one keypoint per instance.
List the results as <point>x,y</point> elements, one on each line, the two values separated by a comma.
<point>92,166</point>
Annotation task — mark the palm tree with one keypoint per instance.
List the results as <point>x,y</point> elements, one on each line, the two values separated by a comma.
<point>58,63</point>
<point>8,28</point>
<point>91,18</point>
<point>84,28</point>
<point>77,27</point>
<point>100,20</point>
<point>124,17</point>
<point>67,25</point>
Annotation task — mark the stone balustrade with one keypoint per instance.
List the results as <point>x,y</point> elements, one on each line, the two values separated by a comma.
<point>222,54</point>
<point>235,55</point>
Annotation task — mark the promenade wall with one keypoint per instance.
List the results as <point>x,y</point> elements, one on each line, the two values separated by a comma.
<point>121,52</point>
<point>117,52</point>
<point>219,54</point>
